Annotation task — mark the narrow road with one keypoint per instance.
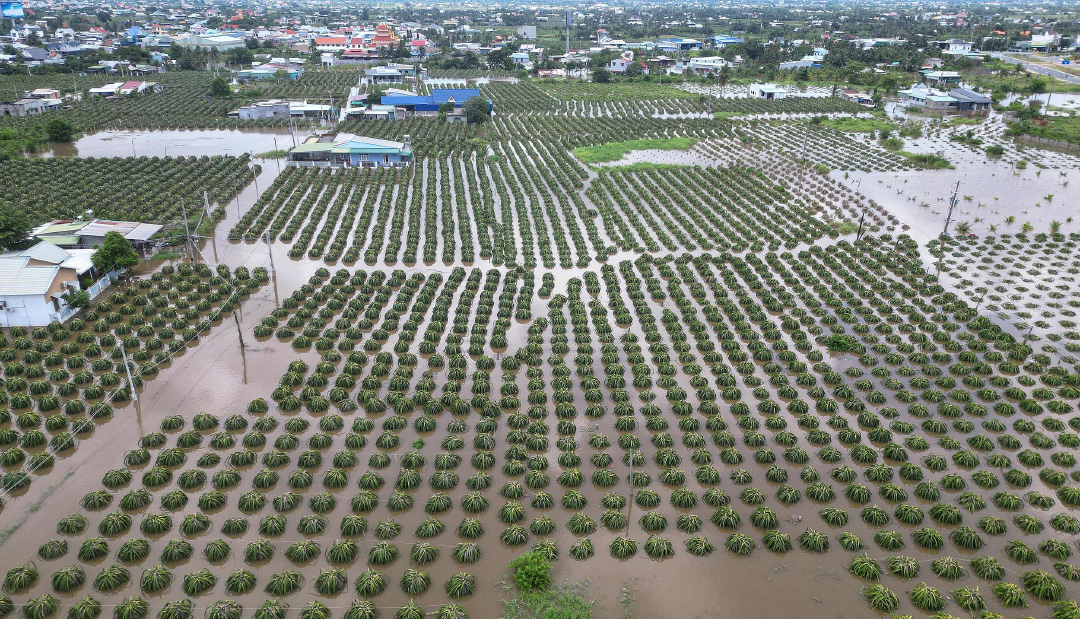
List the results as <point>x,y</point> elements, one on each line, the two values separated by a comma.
<point>1038,68</point>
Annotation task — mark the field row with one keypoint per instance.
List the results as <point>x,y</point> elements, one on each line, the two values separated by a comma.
<point>138,189</point>
<point>64,379</point>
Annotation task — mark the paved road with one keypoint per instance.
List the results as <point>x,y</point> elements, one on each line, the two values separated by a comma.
<point>1040,69</point>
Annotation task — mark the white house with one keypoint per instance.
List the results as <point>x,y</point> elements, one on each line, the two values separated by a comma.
<point>521,59</point>
<point>707,64</point>
<point>527,32</point>
<point>770,92</point>
<point>33,282</point>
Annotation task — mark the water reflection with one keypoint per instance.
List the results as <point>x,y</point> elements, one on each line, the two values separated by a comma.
<point>177,142</point>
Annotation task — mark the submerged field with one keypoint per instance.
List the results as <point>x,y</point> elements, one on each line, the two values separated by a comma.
<point>688,383</point>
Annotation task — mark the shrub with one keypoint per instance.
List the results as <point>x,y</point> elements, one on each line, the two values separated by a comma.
<point>532,572</point>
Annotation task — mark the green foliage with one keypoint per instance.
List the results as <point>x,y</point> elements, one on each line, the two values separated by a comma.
<point>613,151</point>
<point>115,253</point>
<point>14,226</point>
<point>532,572</point>
<point>559,602</point>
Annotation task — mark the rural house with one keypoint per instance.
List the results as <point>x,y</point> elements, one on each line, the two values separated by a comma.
<point>33,282</point>
<point>350,151</point>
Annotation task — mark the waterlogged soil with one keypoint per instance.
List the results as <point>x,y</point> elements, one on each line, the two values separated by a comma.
<point>177,143</point>
<point>221,377</point>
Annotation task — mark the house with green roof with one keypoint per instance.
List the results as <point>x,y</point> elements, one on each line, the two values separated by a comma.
<point>350,151</point>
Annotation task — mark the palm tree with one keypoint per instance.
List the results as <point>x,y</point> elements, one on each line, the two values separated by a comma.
<point>725,74</point>
<point>963,228</point>
<point>1010,219</point>
<point>1055,227</point>
<point>1026,227</point>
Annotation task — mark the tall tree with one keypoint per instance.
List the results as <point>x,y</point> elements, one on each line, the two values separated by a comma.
<point>14,226</point>
<point>115,253</point>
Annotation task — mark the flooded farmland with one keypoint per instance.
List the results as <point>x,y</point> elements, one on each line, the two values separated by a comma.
<point>690,383</point>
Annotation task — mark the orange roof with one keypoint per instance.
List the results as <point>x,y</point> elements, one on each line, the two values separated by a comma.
<point>329,40</point>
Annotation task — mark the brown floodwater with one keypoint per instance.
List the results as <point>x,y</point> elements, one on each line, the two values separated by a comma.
<point>220,377</point>
<point>176,142</point>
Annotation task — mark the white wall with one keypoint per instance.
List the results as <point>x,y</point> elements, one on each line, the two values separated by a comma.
<point>26,311</point>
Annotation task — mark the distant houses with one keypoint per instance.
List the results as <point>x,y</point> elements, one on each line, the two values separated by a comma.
<point>89,233</point>
<point>350,151</point>
<point>125,88</point>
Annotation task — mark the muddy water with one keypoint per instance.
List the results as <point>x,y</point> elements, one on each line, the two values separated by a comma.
<point>176,143</point>
<point>217,377</point>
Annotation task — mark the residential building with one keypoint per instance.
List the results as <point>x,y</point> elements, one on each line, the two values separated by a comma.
<point>855,96</point>
<point>707,64</point>
<point>33,283</point>
<point>349,150</point>
<point>621,65</point>
<point>769,92</point>
<point>89,233</point>
<point>806,62</point>
<point>383,75</point>
<point>280,108</point>
<point>970,101</point>
<point>220,42</point>
<point>521,59</point>
<point>955,100</point>
<point>527,32</point>
<point>940,78</point>
<point>271,70</point>
<point>953,46</point>
<point>407,106</point>
<point>22,107</point>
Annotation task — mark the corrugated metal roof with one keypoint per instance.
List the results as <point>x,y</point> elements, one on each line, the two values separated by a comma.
<point>19,278</point>
<point>142,232</point>
<point>46,252</point>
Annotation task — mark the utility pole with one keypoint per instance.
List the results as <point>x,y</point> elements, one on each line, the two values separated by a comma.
<point>945,231</point>
<point>270,252</point>
<point>858,235</point>
<point>276,153</point>
<point>131,382</point>
<point>187,232</point>
<point>206,206</point>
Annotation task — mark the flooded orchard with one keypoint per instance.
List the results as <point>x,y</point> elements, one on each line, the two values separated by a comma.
<point>692,378</point>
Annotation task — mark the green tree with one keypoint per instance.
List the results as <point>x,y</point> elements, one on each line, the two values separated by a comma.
<point>601,76</point>
<point>59,130</point>
<point>33,39</point>
<point>76,298</point>
<point>219,87</point>
<point>115,253</point>
<point>477,110</point>
<point>14,227</point>
<point>532,572</point>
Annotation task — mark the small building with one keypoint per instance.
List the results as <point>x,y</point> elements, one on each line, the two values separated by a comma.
<point>521,59</point>
<point>407,106</point>
<point>707,64</point>
<point>855,96</point>
<point>769,92</point>
<point>22,107</point>
<point>806,62</point>
<point>89,233</point>
<point>526,32</point>
<point>923,96</point>
<point>271,70</point>
<point>44,93</point>
<point>281,108</point>
<point>383,75</point>
<point>350,151</point>
<point>33,283</point>
<point>940,78</point>
<point>969,100</point>
<point>219,42</point>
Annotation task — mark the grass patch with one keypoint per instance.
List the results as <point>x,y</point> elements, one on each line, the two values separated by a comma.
<point>273,154</point>
<point>845,227</point>
<point>166,255</point>
<point>963,120</point>
<point>856,125</point>
<point>647,165</point>
<point>613,151</point>
<point>927,161</point>
<point>558,602</point>
<point>613,91</point>
<point>1062,128</point>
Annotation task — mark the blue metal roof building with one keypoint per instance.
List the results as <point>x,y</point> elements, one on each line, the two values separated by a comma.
<point>428,105</point>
